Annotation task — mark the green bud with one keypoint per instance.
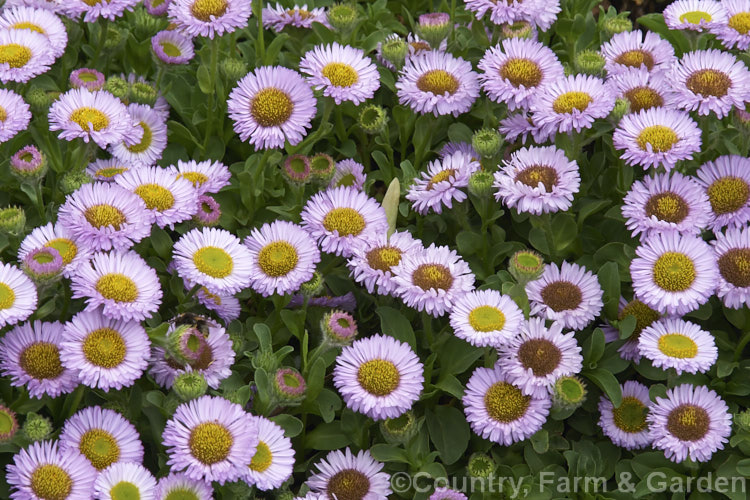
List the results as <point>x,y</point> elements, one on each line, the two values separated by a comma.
<point>741,119</point>
<point>38,99</point>
<point>520,29</point>
<point>481,465</point>
<point>322,167</point>
<point>399,430</point>
<point>73,180</point>
<point>28,164</point>
<point>569,393</point>
<point>486,142</point>
<point>615,25</point>
<point>143,93</point>
<point>373,119</point>
<point>289,385</point>
<point>266,360</point>
<point>186,344</point>
<point>590,62</point>
<point>8,424</point>
<point>394,49</point>
<point>235,397</point>
<point>146,25</point>
<point>190,385</point>
<point>312,287</point>
<point>296,169</point>
<point>525,266</point>
<point>343,16</point>
<point>622,108</point>
<point>233,69</point>
<point>114,38</point>
<point>36,427</point>
<point>12,220</point>
<point>117,87</point>
<point>480,183</point>
<point>434,27</point>
<point>240,490</point>
<point>339,328</point>
<point>742,420</point>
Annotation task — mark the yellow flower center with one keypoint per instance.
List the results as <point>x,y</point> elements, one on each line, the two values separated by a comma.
<point>25,25</point>
<point>709,82</point>
<point>643,98</point>
<point>213,261</point>
<point>659,137</point>
<point>630,417</point>
<point>110,171</point>
<point>635,59</point>
<point>156,196</point>
<point>441,176</point>
<point>181,494</point>
<point>203,10</point>
<point>429,276</point>
<point>540,356</point>
<point>278,258</point>
<point>4,116</point>
<point>567,102</point>
<point>196,178</point>
<point>505,403</point>
<point>695,17</point>
<point>101,216</point>
<point>215,298</point>
<point>378,377</point>
<point>562,296</point>
<point>170,49</point>
<point>522,72</point>
<point>271,107</point>
<point>117,287</point>
<point>41,360</point>
<point>439,82</point>
<point>486,319</point>
<point>383,258</point>
<point>644,315</point>
<point>65,247</point>
<point>346,221</point>
<point>688,422</point>
<point>100,447</point>
<point>146,140</point>
<point>676,345</point>
<point>7,297</point>
<point>262,459</point>
<point>668,207</point>
<point>14,55</point>
<point>91,3</point>
<point>420,46</point>
<point>210,442</point>
<point>734,266</point>
<point>303,14</point>
<point>88,118</point>
<point>674,272</point>
<point>87,76</point>
<point>740,22</point>
<point>728,194</point>
<point>125,490</point>
<point>51,482</point>
<point>340,74</point>
<point>348,484</point>
<point>104,347</point>
<point>536,174</point>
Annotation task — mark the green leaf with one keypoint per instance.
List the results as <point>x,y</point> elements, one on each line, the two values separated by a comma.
<point>390,204</point>
<point>540,441</point>
<point>593,347</point>
<point>564,231</point>
<point>607,383</point>
<point>204,80</point>
<point>448,431</point>
<point>609,279</point>
<point>264,336</point>
<point>388,453</point>
<point>161,242</point>
<point>292,426</point>
<point>395,324</point>
<point>326,436</point>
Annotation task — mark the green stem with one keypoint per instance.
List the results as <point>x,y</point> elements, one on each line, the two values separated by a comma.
<point>101,41</point>
<point>159,75</point>
<point>427,328</point>
<point>214,62</point>
<point>340,128</point>
<point>260,46</point>
<point>741,346</point>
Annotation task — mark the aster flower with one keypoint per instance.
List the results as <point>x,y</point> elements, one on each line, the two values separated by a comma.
<point>657,137</point>
<point>441,184</point>
<point>24,54</point>
<point>289,385</point>
<point>277,18</point>
<point>726,181</point>
<point>44,471</point>
<point>735,32</point>
<point>30,356</point>
<point>569,294</point>
<point>102,436</point>
<point>379,377</point>
<point>538,356</point>
<point>272,105</point>
<point>732,252</point>
<point>665,202</point>
<point>125,480</point>
<point>209,17</point>
<point>43,265</point>
<point>348,173</point>
<point>692,421</point>
<point>29,162</point>
<point>432,279</point>
<point>210,439</point>
<point>626,425</point>
<point>438,83</point>
<point>342,72</point>
<point>39,20</point>
<point>106,353</point>
<point>497,410</point>
<point>341,217</point>
<point>449,148</point>
<point>106,170</point>
<point>213,258</point>
<point>694,15</point>
<point>678,344</point>
<point>643,89</point>
<point>447,494</point>
<point>521,124</point>
<point>515,71</point>
<point>18,297</point>
<point>92,116</point>
<point>572,103</point>
<point>179,484</point>
<point>227,307</point>
<point>710,81</point>
<point>374,258</point>
<point>339,328</point>
<point>674,273</point>
<point>157,7</point>
<point>208,212</point>
<point>169,198</point>
<point>149,148</point>
<point>485,318</point>
<point>121,282</point>
<point>283,256</point>
<point>207,176</point>
<point>106,9</point>
<point>171,47</point>
<point>86,78</point>
<point>634,49</point>
<point>538,180</point>
<point>346,475</point>
<point>14,114</point>
<point>273,461</point>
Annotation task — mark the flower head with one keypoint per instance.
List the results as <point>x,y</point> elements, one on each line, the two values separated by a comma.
<point>342,72</point>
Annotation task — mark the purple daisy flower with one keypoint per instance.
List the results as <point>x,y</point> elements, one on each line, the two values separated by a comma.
<point>346,475</point>
<point>341,217</point>
<point>25,54</point>
<point>678,344</point>
<point>634,49</point>
<point>447,494</point>
<point>626,425</point>
<point>665,202</point>
<point>438,83</point>
<point>210,439</point>
<point>208,211</point>
<point>14,114</point>
<point>432,279</point>
<point>521,124</point>
<point>43,471</point>
<point>43,264</point>
<point>227,307</point>
<point>515,71</point>
<point>442,183</point>
<point>673,273</point>
<point>538,180</point>
<point>102,436</point>
<point>106,170</point>
<point>379,377</point>
<point>342,72</point>
<point>207,176</point>
<point>726,181</point>
<point>39,20</point>
<point>570,295</point>
<point>449,148</point>
<point>374,258</point>
<point>485,318</point>
<point>273,462</point>
<point>690,422</point>
<point>121,282</point>
<point>177,485</point>
<point>348,173</point>
<point>497,410</point>
<point>290,384</point>
<point>106,353</point>
<point>157,7</point>
<point>538,356</point>
<point>28,161</point>
<point>277,18</point>
<point>732,252</point>
<point>30,356</point>
<point>209,17</point>
<point>270,106</point>
<point>18,297</point>
<point>735,32</point>
<point>123,480</point>
<point>339,328</point>
<point>657,137</point>
<point>710,81</point>
<point>694,15</point>
<point>149,148</point>
<point>85,78</point>
<point>643,89</point>
<point>171,47</point>
<point>572,103</point>
<point>106,9</point>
